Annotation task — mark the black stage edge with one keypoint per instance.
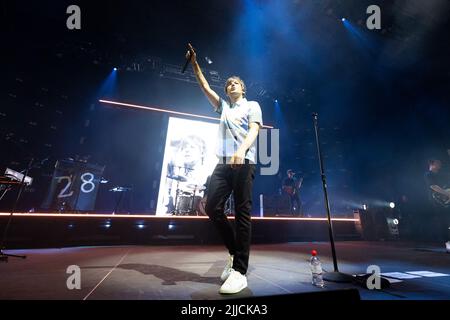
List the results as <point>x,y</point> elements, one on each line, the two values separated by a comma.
<point>40,231</point>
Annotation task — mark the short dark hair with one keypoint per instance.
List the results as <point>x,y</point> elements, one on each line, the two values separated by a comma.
<point>244,88</point>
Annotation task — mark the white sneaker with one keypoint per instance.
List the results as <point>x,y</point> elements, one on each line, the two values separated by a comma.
<point>227,270</point>
<point>235,283</point>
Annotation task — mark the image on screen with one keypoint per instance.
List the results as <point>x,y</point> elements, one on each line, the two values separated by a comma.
<point>189,160</point>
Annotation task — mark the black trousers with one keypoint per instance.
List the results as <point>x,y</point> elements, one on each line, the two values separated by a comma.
<point>225,180</point>
<point>296,205</point>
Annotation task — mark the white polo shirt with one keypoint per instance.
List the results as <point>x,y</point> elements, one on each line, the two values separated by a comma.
<point>234,126</point>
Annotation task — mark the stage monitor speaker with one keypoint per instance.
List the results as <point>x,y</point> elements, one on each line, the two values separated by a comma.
<point>378,224</point>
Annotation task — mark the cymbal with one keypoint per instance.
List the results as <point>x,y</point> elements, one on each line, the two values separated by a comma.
<point>181,167</point>
<point>195,186</point>
<point>178,178</point>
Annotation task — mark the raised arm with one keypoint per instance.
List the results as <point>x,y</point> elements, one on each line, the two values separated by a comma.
<point>209,93</point>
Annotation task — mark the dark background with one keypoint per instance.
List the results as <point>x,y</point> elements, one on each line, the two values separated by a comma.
<point>382,95</point>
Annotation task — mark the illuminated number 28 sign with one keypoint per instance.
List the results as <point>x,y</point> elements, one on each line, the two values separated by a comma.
<point>86,186</point>
<point>74,186</point>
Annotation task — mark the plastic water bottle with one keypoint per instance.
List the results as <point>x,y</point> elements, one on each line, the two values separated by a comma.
<point>316,270</point>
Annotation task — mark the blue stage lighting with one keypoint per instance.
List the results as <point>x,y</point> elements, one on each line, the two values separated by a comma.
<point>343,19</point>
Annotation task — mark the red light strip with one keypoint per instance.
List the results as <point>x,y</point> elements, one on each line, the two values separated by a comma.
<point>142,216</point>
<point>163,110</point>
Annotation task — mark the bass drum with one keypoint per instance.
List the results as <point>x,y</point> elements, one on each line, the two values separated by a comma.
<point>188,205</point>
<point>184,204</point>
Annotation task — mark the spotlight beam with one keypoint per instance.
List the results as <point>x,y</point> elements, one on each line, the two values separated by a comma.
<point>135,106</point>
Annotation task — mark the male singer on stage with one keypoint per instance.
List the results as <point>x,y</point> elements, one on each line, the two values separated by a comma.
<point>238,129</point>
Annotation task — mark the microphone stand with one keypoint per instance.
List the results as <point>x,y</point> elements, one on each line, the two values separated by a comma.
<point>4,256</point>
<point>334,276</point>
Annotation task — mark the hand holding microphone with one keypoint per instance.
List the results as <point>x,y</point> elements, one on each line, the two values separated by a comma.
<point>191,56</point>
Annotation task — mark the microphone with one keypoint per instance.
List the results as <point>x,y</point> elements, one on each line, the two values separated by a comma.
<point>187,62</point>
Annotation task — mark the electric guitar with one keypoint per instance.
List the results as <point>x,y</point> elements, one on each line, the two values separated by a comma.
<point>441,196</point>
<point>290,190</point>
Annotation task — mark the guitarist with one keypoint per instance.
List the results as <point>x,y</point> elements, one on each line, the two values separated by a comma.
<point>436,183</point>
<point>291,187</point>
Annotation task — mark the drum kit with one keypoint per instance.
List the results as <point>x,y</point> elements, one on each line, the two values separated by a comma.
<point>188,200</point>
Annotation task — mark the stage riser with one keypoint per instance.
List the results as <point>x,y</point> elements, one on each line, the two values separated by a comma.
<point>40,232</point>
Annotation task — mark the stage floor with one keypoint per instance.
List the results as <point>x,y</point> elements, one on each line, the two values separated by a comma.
<point>192,272</point>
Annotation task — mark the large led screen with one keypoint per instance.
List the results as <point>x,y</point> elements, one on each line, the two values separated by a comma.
<point>189,160</point>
